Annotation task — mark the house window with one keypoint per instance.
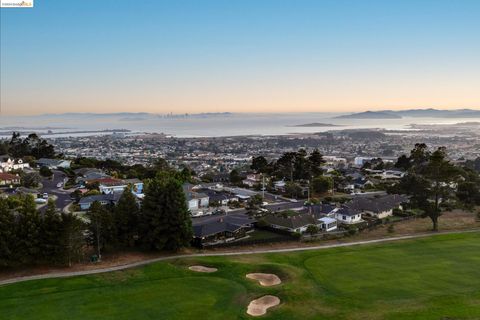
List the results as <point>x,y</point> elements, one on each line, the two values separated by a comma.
<point>344,217</point>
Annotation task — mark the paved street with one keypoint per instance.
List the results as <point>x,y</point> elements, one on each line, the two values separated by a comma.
<point>50,187</point>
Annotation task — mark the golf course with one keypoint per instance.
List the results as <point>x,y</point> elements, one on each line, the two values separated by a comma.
<point>436,277</point>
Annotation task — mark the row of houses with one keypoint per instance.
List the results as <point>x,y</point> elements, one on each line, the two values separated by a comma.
<point>205,198</point>
<point>326,216</point>
<point>110,188</point>
<point>293,217</point>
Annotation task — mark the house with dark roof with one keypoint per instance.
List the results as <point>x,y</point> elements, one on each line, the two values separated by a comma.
<point>380,207</point>
<point>222,198</point>
<point>104,199</point>
<point>87,174</point>
<point>299,222</point>
<point>220,229</point>
<point>346,215</point>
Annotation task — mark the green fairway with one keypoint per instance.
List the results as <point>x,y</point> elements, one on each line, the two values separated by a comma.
<point>429,278</point>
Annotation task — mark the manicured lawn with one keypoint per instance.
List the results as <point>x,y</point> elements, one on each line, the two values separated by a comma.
<point>430,278</point>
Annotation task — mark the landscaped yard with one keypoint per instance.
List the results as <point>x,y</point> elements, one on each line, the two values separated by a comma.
<point>430,278</point>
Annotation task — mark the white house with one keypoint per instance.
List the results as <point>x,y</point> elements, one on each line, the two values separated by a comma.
<point>346,215</point>
<point>197,202</point>
<point>8,164</point>
<point>279,185</point>
<point>328,224</point>
<point>360,161</point>
<point>252,180</point>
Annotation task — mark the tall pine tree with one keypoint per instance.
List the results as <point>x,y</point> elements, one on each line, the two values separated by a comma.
<point>27,229</point>
<point>101,227</point>
<point>166,223</point>
<point>126,214</point>
<point>50,234</point>
<point>71,238</point>
<point>7,234</point>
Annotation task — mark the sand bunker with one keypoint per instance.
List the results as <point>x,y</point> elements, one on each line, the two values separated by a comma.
<point>202,269</point>
<point>265,279</point>
<point>259,307</point>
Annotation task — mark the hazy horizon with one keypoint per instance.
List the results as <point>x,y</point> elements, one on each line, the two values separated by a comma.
<point>249,56</point>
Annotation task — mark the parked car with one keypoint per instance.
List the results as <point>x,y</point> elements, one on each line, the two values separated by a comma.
<point>45,196</point>
<point>40,200</point>
<point>219,211</point>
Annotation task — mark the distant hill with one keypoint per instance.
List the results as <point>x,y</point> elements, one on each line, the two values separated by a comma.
<point>371,115</point>
<point>129,116</point>
<point>414,113</point>
<point>316,124</point>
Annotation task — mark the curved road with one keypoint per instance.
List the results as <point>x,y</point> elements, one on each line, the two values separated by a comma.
<point>234,253</point>
<point>50,187</point>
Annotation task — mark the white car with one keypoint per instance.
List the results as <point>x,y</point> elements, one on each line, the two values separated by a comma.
<point>40,201</point>
<point>59,185</point>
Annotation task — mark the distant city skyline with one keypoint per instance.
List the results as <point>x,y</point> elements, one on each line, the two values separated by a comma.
<point>247,56</point>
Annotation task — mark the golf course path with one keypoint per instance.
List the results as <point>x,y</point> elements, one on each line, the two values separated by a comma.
<point>233,253</point>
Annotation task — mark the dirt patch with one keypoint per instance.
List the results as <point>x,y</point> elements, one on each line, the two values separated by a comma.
<point>259,307</point>
<point>202,269</point>
<point>265,279</point>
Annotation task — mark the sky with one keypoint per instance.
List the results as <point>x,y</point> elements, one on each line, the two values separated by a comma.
<point>239,56</point>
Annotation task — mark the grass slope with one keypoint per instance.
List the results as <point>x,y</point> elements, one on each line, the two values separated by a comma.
<point>430,278</point>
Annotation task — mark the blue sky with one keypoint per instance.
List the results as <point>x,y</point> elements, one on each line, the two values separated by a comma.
<point>246,55</point>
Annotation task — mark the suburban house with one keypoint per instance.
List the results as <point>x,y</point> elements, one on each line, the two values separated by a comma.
<point>300,222</point>
<point>347,215</point>
<point>7,164</point>
<point>380,207</point>
<point>361,183</point>
<point>111,185</point>
<point>222,198</point>
<point>283,206</point>
<point>220,229</point>
<point>221,177</point>
<point>86,174</point>
<point>360,161</point>
<point>320,209</point>
<point>328,224</point>
<point>7,179</point>
<point>386,174</point>
<point>197,202</point>
<point>252,180</point>
<point>241,193</point>
<point>104,199</point>
<point>54,163</point>
<point>279,185</point>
